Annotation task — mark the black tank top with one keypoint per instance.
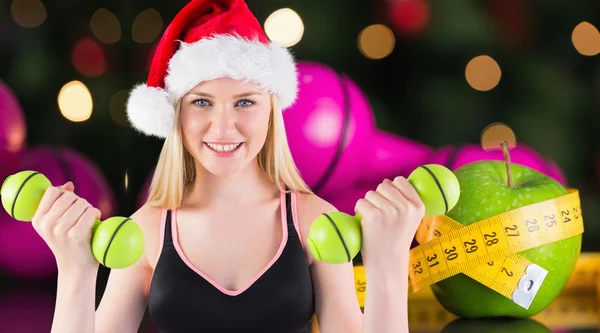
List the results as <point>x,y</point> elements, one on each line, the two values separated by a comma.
<point>279,300</point>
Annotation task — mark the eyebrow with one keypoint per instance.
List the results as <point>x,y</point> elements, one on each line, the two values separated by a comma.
<point>203,94</point>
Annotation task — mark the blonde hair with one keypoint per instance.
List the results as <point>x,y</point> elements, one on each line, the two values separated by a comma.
<point>175,167</point>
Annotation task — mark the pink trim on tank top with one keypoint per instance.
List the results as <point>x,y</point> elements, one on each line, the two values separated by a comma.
<point>211,281</point>
<point>163,222</point>
<point>295,218</point>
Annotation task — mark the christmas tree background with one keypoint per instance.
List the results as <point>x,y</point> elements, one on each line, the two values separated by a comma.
<point>548,90</point>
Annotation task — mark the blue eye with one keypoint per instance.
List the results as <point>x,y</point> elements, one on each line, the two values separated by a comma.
<point>245,103</point>
<point>202,103</point>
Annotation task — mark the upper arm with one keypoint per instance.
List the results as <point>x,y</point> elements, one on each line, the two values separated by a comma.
<point>123,303</point>
<point>336,303</point>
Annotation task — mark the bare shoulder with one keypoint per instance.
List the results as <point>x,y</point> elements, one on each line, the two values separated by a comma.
<point>147,215</point>
<point>149,219</point>
<point>308,208</point>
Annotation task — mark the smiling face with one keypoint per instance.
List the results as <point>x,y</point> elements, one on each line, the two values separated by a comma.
<point>224,124</point>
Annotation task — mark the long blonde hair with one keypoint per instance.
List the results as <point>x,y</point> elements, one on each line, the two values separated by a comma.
<point>175,167</point>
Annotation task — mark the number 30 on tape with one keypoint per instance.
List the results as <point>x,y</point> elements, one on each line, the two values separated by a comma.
<point>487,251</point>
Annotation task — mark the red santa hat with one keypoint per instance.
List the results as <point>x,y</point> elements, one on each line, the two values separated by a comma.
<point>209,39</point>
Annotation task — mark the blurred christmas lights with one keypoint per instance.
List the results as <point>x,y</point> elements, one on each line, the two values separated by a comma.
<point>586,39</point>
<point>147,26</point>
<point>75,101</point>
<point>126,180</point>
<point>88,58</point>
<point>28,13</point>
<point>105,26</point>
<point>376,41</point>
<point>285,27</point>
<point>409,16</point>
<point>483,73</point>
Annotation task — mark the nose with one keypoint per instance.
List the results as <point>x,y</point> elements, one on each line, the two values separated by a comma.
<point>222,121</point>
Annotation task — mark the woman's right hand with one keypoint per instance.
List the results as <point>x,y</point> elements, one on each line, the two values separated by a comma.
<point>65,221</point>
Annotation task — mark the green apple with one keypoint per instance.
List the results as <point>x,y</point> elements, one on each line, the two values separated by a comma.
<point>496,325</point>
<point>484,192</point>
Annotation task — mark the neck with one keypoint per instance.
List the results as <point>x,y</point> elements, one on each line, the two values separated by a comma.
<point>246,187</point>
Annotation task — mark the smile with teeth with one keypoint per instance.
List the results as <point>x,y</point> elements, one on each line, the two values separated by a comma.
<point>223,148</point>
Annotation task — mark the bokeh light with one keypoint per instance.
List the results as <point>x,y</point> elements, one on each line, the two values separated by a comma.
<point>284,26</point>
<point>105,26</point>
<point>75,101</point>
<point>28,13</point>
<point>410,16</point>
<point>376,41</point>
<point>147,26</point>
<point>126,180</point>
<point>88,58</point>
<point>586,39</point>
<point>117,107</point>
<point>483,73</point>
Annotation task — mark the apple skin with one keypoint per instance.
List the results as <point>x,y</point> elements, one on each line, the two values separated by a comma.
<point>484,193</point>
<point>495,325</point>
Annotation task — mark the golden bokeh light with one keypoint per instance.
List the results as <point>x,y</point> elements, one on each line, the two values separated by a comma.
<point>285,27</point>
<point>105,26</point>
<point>483,73</point>
<point>126,180</point>
<point>586,39</point>
<point>147,26</point>
<point>495,135</point>
<point>376,41</point>
<point>28,13</point>
<point>75,101</point>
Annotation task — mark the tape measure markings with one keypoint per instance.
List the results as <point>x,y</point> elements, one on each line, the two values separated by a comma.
<point>487,251</point>
<point>464,248</point>
<point>513,266</point>
<point>582,282</point>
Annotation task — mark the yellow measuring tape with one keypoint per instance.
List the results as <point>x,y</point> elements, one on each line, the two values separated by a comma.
<point>585,280</point>
<point>487,250</point>
<point>577,306</point>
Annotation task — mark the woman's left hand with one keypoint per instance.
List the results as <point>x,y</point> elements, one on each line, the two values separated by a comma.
<point>390,218</point>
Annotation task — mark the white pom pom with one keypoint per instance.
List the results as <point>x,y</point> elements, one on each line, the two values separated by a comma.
<point>150,111</point>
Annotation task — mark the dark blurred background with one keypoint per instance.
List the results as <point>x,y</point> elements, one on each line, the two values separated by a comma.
<point>435,73</point>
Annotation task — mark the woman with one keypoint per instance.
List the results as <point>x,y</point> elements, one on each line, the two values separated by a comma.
<point>227,217</point>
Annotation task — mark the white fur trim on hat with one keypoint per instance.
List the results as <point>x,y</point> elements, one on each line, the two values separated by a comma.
<point>150,110</point>
<point>271,66</point>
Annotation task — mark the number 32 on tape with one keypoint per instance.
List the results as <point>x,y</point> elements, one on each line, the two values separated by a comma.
<point>487,251</point>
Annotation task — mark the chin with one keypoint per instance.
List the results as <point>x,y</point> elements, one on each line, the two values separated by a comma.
<point>224,171</point>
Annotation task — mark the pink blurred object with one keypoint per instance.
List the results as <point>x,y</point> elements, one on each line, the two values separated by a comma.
<point>23,253</point>
<point>346,201</point>
<point>26,310</point>
<point>453,158</point>
<point>13,132</point>
<point>390,156</point>
<point>332,135</point>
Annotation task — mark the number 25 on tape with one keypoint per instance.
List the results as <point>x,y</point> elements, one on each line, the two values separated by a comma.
<point>487,251</point>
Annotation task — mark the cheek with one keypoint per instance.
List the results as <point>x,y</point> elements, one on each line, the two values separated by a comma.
<point>258,127</point>
<point>191,126</point>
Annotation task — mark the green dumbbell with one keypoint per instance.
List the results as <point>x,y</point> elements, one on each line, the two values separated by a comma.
<point>117,242</point>
<point>336,237</point>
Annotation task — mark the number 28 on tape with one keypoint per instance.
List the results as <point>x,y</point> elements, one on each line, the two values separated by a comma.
<point>487,251</point>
